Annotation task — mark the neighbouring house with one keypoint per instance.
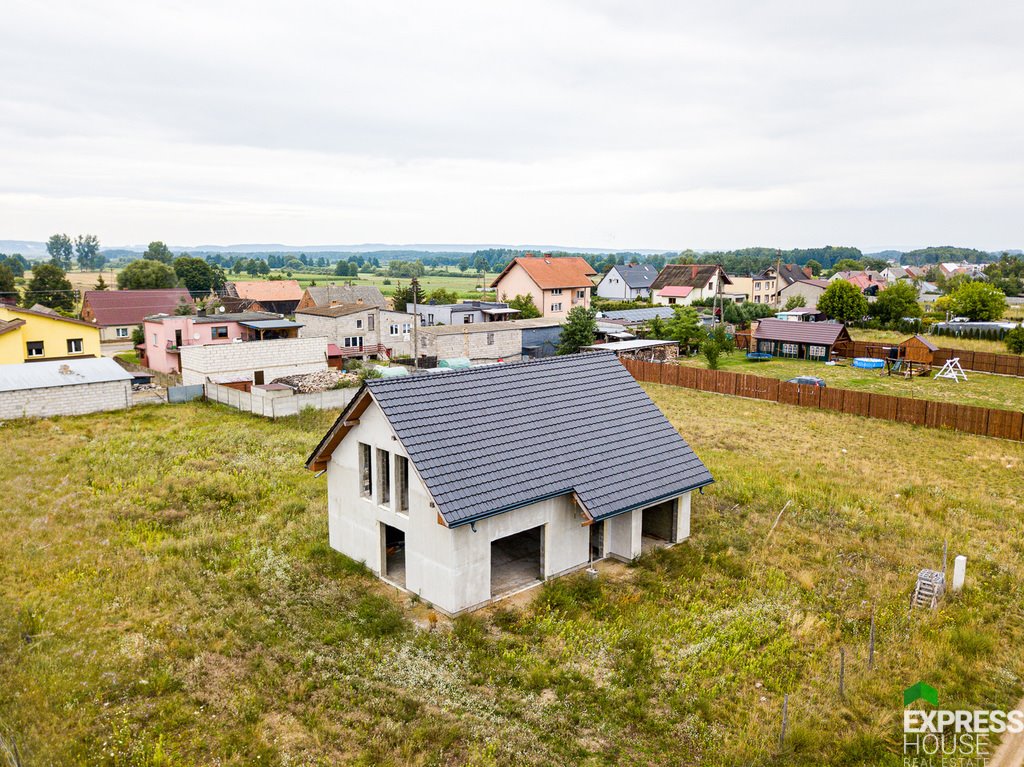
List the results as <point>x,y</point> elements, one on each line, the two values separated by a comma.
<point>118,312</point>
<point>545,487</point>
<point>556,284</point>
<point>63,387</point>
<point>649,350</point>
<point>39,333</point>
<point>253,362</point>
<point>360,330</point>
<point>801,314</point>
<point>167,334</point>
<point>769,282</point>
<point>277,296</point>
<point>893,273</point>
<point>491,342</point>
<point>809,290</point>
<point>686,283</point>
<point>799,340</point>
<point>627,282</point>
<point>742,286</point>
<point>636,319</point>
<point>333,295</point>
<point>465,313</point>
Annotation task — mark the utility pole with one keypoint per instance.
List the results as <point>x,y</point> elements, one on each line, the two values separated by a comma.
<point>778,278</point>
<point>415,324</point>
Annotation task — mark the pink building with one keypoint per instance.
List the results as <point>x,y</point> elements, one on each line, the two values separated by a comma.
<point>167,333</point>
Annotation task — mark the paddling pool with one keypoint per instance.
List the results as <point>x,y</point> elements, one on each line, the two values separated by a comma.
<point>868,363</point>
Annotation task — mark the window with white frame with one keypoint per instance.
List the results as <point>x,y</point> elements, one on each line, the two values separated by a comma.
<point>790,350</point>
<point>406,327</point>
<point>393,330</point>
<point>556,307</point>
<point>556,292</point>
<point>467,319</point>
<point>580,293</point>
<point>34,349</point>
<point>121,332</point>
<point>817,352</point>
<point>74,346</point>
<point>352,342</point>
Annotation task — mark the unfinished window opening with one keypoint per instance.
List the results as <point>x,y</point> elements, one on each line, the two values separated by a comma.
<point>383,477</point>
<point>517,561</point>
<point>597,541</point>
<point>393,555</point>
<point>659,525</point>
<point>402,484</point>
<point>365,472</point>
<point>258,377</point>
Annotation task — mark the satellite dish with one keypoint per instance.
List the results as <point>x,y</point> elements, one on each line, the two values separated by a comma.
<point>196,336</point>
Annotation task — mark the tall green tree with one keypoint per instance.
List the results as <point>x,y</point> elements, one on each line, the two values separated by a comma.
<point>60,248</point>
<point>895,302</point>
<point>157,251</point>
<point>401,298</point>
<point>87,252</point>
<point>814,266</point>
<point>685,327</point>
<point>145,274</point>
<point>524,303</point>
<point>843,302</point>
<point>50,287</point>
<point>1015,340</point>
<point>16,263</point>
<point>101,284</point>
<point>977,301</point>
<point>443,296</point>
<point>197,275</point>
<point>7,289</point>
<point>578,330</point>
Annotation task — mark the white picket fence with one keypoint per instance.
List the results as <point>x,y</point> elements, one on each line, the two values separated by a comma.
<point>279,406</point>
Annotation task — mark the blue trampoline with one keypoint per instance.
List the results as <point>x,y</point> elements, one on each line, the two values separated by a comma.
<point>758,356</point>
<point>868,363</point>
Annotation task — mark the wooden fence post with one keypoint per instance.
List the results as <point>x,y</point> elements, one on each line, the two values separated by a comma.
<point>842,672</point>
<point>871,641</point>
<point>785,719</point>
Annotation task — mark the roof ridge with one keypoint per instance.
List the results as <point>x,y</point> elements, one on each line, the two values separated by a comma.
<point>400,380</point>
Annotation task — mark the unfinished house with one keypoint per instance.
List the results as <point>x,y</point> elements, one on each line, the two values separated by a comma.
<point>469,486</point>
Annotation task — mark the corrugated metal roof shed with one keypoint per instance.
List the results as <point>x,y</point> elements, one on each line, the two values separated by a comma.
<point>46,375</point>
<point>539,429</point>
<point>270,324</point>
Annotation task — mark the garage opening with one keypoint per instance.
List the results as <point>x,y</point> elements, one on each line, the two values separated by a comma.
<point>659,525</point>
<point>393,541</point>
<point>516,561</point>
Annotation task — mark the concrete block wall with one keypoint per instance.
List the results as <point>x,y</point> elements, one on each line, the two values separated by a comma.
<point>76,399</point>
<point>507,345</point>
<point>282,357</point>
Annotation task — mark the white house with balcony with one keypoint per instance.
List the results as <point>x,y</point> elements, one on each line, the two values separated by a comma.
<point>362,331</point>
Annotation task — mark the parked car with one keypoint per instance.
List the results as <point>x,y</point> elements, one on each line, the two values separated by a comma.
<point>808,381</point>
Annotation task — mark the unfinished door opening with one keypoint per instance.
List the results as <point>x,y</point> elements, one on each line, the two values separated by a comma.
<point>659,525</point>
<point>393,554</point>
<point>597,541</point>
<point>517,561</point>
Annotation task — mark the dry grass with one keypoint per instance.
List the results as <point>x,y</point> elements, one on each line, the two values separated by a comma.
<point>167,597</point>
<point>946,342</point>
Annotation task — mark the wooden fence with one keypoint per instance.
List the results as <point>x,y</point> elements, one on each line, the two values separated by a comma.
<point>1005,424</point>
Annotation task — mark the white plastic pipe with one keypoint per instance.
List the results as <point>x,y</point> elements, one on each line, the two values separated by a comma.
<point>959,572</point>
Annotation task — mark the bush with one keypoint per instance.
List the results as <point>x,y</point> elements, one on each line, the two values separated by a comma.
<point>1015,340</point>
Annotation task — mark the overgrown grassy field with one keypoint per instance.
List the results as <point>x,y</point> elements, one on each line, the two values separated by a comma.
<point>167,597</point>
<point>946,342</point>
<point>984,389</point>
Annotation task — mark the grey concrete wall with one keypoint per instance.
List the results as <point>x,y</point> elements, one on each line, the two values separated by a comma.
<point>76,399</point>
<point>283,357</point>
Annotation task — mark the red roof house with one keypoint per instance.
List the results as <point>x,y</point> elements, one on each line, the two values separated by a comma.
<point>117,312</point>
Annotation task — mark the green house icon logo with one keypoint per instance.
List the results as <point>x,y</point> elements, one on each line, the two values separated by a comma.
<point>919,691</point>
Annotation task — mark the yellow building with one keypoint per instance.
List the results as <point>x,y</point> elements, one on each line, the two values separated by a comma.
<point>28,335</point>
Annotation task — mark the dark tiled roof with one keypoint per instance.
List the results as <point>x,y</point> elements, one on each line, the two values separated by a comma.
<point>338,310</point>
<point>823,333</point>
<point>574,424</point>
<point>687,276</point>
<point>637,275</point>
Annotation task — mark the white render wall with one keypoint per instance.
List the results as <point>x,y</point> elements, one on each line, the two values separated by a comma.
<point>451,568</point>
<point>280,357</point>
<point>74,399</point>
<point>471,342</point>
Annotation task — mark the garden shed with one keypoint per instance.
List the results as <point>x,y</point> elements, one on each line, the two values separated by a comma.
<point>918,349</point>
<point>799,340</point>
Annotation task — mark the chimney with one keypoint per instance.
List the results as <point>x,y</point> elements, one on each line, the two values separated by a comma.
<point>359,301</point>
<point>808,273</point>
<point>693,270</point>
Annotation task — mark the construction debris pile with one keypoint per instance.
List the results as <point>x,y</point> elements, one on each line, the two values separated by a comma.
<point>322,380</point>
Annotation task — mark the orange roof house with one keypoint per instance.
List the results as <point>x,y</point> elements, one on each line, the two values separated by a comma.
<point>555,284</point>
<point>278,296</point>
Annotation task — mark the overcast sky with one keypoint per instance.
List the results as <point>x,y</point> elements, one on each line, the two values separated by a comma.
<point>600,124</point>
